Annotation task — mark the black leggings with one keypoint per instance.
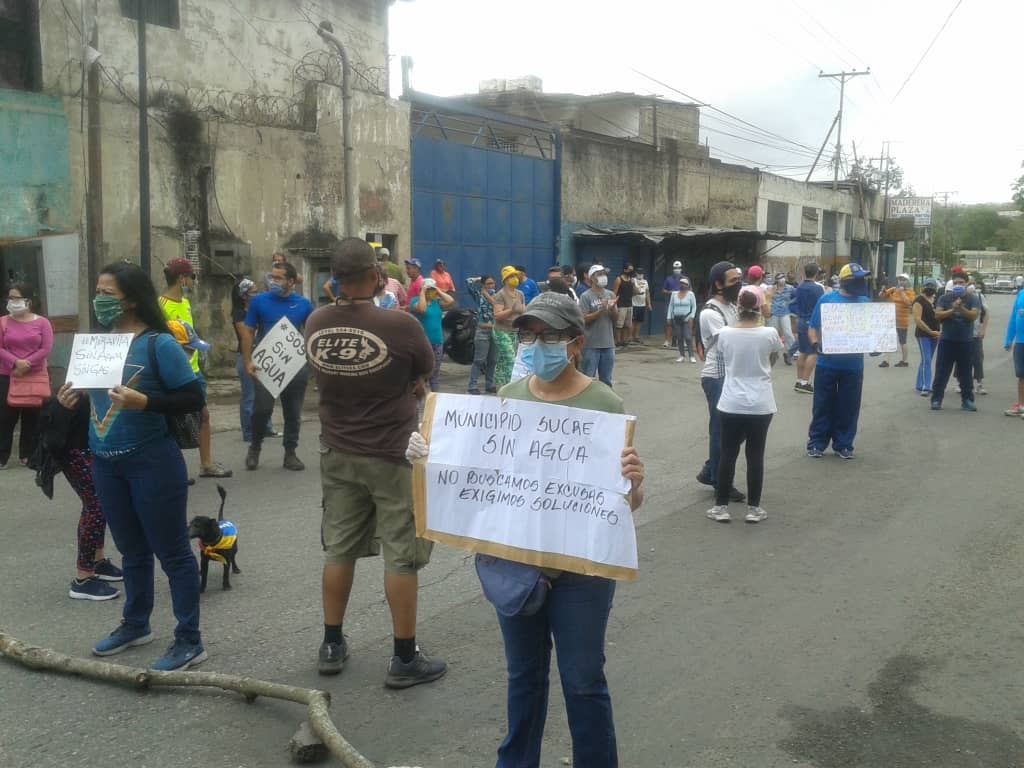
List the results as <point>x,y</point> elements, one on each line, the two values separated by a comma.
<point>735,428</point>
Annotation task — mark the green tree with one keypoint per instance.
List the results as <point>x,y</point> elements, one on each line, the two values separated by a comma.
<point>1018,191</point>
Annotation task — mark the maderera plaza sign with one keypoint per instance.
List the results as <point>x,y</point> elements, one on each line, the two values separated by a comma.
<point>917,208</point>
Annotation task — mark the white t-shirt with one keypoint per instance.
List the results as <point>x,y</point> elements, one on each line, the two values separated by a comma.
<point>640,292</point>
<point>711,322</point>
<point>748,369</point>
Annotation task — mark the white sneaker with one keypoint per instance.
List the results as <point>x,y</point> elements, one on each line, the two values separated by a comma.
<point>667,345</point>
<point>680,359</point>
<point>755,514</point>
<point>1016,410</point>
<point>693,359</point>
<point>718,513</point>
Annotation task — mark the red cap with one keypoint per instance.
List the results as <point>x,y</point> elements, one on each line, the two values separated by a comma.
<point>180,267</point>
<point>755,273</point>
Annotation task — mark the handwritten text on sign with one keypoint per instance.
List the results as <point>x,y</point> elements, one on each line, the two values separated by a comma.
<point>97,359</point>
<point>854,328</point>
<point>531,476</point>
<point>279,357</point>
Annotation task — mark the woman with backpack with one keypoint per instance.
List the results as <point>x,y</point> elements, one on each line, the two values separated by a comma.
<point>138,468</point>
<point>748,351</point>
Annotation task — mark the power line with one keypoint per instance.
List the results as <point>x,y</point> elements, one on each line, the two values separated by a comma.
<point>827,32</point>
<point>958,2</point>
<point>776,147</point>
<point>722,111</point>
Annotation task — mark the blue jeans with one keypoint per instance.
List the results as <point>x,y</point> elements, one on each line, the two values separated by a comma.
<point>247,399</point>
<point>144,497</point>
<point>712,392</point>
<point>924,371</point>
<point>952,353</point>
<point>599,362</point>
<point>836,408</point>
<point>484,359</point>
<point>576,616</point>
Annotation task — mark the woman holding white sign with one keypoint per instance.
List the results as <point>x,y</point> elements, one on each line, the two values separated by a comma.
<point>748,350</point>
<point>569,608</point>
<point>138,469</point>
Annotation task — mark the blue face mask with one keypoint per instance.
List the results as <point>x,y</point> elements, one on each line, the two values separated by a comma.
<point>856,286</point>
<point>549,360</point>
<point>958,290</point>
<point>276,289</point>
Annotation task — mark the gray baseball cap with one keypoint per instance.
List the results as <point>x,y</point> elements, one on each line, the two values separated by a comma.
<point>555,310</point>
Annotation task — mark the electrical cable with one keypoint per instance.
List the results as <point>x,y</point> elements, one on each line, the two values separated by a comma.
<point>923,55</point>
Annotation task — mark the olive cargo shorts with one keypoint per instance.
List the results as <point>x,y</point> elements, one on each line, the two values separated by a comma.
<point>367,511</point>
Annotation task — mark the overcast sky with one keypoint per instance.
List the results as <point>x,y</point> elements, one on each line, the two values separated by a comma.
<point>956,125</point>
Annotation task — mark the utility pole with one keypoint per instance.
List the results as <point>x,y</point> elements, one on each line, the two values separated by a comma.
<point>885,202</point>
<point>945,220</point>
<point>94,163</point>
<point>842,77</point>
<point>145,234</point>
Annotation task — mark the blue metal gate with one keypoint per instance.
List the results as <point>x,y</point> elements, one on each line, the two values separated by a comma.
<point>484,192</point>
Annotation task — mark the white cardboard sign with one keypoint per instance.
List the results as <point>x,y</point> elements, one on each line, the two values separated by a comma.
<point>856,328</point>
<point>279,356</point>
<point>528,481</point>
<point>97,360</point>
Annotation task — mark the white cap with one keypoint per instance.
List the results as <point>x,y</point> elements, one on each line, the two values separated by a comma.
<point>430,283</point>
<point>595,269</point>
<point>904,276</point>
<point>677,265</point>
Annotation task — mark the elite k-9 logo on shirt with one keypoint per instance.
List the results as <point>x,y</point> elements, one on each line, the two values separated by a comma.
<point>347,352</point>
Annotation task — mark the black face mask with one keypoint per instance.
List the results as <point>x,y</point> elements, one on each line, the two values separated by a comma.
<point>929,291</point>
<point>732,292</point>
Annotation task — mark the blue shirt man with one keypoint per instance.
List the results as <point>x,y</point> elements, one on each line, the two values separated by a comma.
<point>956,310</point>
<point>805,299</point>
<point>265,310</point>
<point>1015,339</point>
<point>838,379</point>
<point>527,285</point>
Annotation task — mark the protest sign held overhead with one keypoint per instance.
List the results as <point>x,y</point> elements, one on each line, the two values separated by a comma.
<point>854,328</point>
<point>527,481</point>
<point>97,360</point>
<point>279,356</point>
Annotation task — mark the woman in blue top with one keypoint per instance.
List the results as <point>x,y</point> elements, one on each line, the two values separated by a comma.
<point>139,470</point>
<point>427,309</point>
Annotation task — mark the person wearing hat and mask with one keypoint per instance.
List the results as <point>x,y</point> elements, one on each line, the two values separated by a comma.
<point>902,295</point>
<point>956,310</point>
<point>926,331</point>
<point>805,299</point>
<point>442,277</point>
<point>670,286</point>
<point>682,309</point>
<point>838,379</point>
<point>599,312</point>
<point>181,281</point>
<point>509,303</point>
<point>368,407</point>
<point>414,271</point>
<point>574,615</point>
<point>624,289</point>
<point>428,307</point>
<point>779,316</point>
<point>725,279</point>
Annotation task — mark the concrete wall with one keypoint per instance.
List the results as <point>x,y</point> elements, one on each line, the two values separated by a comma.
<point>797,195</point>
<point>35,186</point>
<point>245,139</point>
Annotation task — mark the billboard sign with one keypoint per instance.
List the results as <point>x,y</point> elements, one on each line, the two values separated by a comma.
<point>917,208</point>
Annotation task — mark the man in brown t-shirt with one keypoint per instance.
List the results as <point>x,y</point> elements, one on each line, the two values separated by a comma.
<point>369,365</point>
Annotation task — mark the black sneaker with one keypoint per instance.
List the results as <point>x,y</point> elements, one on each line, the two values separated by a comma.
<point>331,658</point>
<point>107,571</point>
<point>704,479</point>
<point>92,589</point>
<point>420,670</point>
<point>884,364</point>
<point>252,458</point>
<point>735,494</point>
<point>293,462</point>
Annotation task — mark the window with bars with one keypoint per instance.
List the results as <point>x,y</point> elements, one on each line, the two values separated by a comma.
<point>163,13</point>
<point>503,143</point>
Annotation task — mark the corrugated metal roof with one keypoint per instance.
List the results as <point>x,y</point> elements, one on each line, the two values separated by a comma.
<point>658,234</point>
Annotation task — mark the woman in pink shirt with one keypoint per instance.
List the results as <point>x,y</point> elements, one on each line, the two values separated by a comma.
<point>25,342</point>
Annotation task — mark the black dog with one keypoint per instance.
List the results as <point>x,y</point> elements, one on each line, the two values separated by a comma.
<point>218,540</point>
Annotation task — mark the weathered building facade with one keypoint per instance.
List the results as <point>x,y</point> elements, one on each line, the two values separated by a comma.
<point>246,151</point>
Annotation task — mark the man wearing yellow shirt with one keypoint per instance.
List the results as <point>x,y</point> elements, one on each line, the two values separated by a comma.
<point>181,278</point>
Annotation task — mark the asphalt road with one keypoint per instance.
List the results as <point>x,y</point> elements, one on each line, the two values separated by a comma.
<point>872,621</point>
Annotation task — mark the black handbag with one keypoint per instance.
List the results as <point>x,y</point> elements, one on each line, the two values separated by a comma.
<point>182,427</point>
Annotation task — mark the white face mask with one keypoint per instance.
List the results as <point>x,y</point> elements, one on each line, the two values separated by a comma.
<point>677,271</point>
<point>601,280</point>
<point>17,306</point>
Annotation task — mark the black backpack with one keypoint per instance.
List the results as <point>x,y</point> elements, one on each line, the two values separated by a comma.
<point>698,342</point>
